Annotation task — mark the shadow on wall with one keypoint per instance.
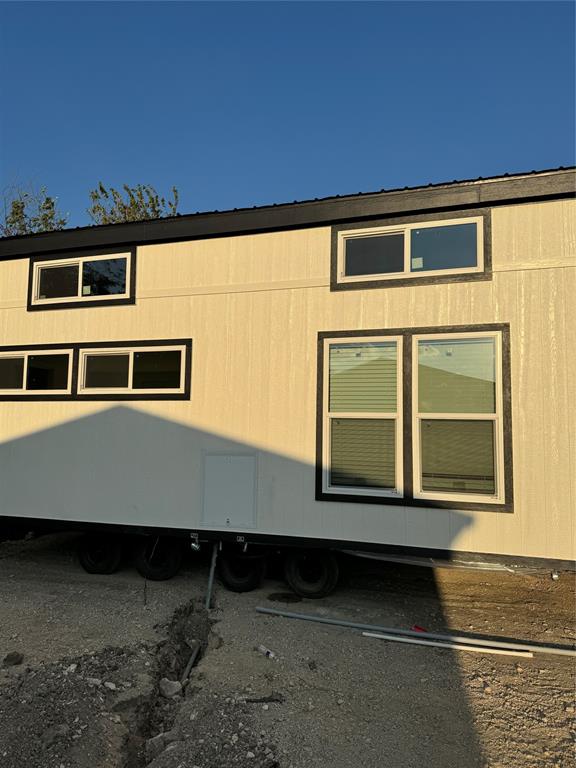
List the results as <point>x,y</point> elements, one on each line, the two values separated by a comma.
<point>124,465</point>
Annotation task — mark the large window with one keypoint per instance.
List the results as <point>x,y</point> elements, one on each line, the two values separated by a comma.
<point>422,411</point>
<point>441,249</point>
<point>35,372</point>
<point>84,279</point>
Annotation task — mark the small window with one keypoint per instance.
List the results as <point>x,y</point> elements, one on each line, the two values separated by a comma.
<point>104,277</point>
<point>362,418</point>
<point>36,372</point>
<point>432,248</point>
<point>107,371</point>
<point>11,373</point>
<point>132,370</point>
<point>83,280</point>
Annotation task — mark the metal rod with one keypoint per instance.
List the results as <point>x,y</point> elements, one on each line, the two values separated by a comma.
<point>456,646</point>
<point>211,576</point>
<point>191,660</point>
<point>556,650</point>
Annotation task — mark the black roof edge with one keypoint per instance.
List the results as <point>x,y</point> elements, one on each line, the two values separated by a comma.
<point>535,186</point>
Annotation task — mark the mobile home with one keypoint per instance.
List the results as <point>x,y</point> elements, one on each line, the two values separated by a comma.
<point>391,372</point>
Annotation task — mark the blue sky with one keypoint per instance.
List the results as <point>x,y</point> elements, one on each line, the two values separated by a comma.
<point>241,104</point>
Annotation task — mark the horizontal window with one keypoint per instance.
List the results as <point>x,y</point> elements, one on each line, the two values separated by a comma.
<point>451,385</point>
<point>81,280</point>
<point>131,370</point>
<point>410,251</point>
<point>35,373</point>
<point>137,370</point>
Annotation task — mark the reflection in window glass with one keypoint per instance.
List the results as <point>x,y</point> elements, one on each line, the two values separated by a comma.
<point>104,371</point>
<point>458,456</point>
<point>157,370</point>
<point>11,372</point>
<point>457,375</point>
<point>58,282</point>
<point>104,277</point>
<point>363,377</point>
<point>449,247</point>
<point>374,255</point>
<point>363,453</point>
<point>47,372</point>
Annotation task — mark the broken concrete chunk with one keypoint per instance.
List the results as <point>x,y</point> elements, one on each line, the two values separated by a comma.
<point>170,688</point>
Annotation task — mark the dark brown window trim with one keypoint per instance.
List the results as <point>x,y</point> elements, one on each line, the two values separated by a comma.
<point>117,397</point>
<point>71,255</point>
<point>486,274</point>
<point>408,499</point>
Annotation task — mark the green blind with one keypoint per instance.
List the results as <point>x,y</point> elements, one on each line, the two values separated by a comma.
<point>457,376</point>
<point>458,455</point>
<point>363,377</point>
<point>363,453</point>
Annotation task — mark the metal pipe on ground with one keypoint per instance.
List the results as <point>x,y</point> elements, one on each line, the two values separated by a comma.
<point>480,641</point>
<point>454,646</point>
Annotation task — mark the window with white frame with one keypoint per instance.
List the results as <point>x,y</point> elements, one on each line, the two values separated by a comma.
<point>363,422</point>
<point>411,250</point>
<point>444,402</point>
<point>457,412</point>
<point>36,372</point>
<point>132,370</point>
<point>81,279</point>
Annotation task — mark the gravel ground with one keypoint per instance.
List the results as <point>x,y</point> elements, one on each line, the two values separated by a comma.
<point>97,651</point>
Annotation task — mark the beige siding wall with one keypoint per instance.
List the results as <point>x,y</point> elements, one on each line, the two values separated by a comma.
<point>254,305</point>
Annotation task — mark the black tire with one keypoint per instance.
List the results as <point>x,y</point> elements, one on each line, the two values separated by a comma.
<point>99,553</point>
<point>158,558</point>
<point>240,573</point>
<point>311,573</point>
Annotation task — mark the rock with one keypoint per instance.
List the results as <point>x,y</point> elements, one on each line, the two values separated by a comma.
<point>265,707</point>
<point>95,682</point>
<point>340,702</point>
<point>52,735</point>
<point>250,755</point>
<point>154,747</point>
<point>569,708</point>
<point>71,668</point>
<point>487,689</point>
<point>110,686</point>
<point>170,688</point>
<point>12,659</point>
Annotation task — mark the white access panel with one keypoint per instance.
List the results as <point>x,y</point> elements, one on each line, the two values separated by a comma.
<point>229,491</point>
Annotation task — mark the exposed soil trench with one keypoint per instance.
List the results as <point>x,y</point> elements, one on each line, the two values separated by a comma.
<point>155,714</point>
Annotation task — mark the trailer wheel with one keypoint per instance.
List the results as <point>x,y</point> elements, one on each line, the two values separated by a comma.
<point>158,558</point>
<point>311,573</point>
<point>240,573</point>
<point>98,553</point>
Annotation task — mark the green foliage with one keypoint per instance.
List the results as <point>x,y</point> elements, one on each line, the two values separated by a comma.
<point>28,212</point>
<point>141,202</point>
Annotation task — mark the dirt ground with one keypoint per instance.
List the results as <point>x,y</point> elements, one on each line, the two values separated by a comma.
<point>87,692</point>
